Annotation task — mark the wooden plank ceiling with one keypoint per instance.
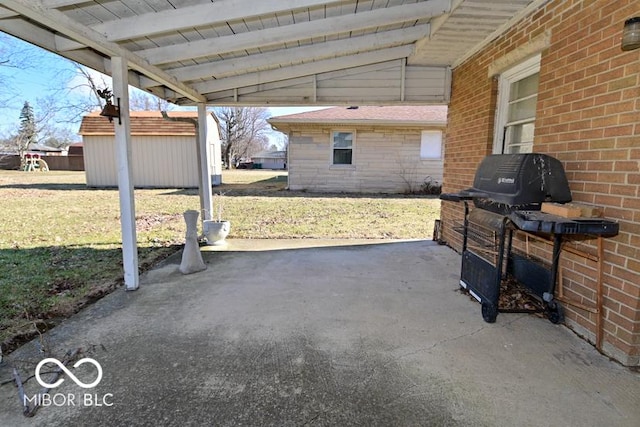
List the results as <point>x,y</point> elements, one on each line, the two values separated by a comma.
<point>280,52</point>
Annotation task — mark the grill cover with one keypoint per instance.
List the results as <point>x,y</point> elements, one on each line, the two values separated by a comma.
<point>507,182</point>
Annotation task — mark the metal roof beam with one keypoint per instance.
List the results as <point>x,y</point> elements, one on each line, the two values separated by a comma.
<point>297,55</point>
<point>52,4</point>
<point>294,32</point>
<point>306,69</point>
<point>199,15</point>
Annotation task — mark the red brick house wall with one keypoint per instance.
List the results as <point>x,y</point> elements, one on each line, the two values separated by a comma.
<point>587,116</point>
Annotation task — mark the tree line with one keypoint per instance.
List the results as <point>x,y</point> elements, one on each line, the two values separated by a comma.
<point>54,118</point>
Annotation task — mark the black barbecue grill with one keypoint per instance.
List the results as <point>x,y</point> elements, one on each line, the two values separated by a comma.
<point>508,192</point>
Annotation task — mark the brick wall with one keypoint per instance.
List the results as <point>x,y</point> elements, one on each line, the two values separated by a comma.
<point>588,116</point>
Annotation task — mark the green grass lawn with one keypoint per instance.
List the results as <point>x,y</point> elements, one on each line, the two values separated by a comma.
<point>60,241</point>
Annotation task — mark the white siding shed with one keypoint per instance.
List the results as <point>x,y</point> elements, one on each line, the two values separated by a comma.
<point>164,153</point>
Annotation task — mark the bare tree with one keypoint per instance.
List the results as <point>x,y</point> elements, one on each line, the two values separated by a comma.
<point>142,101</point>
<point>53,117</point>
<point>244,132</point>
<point>59,105</point>
<point>30,128</point>
<point>82,97</point>
<point>58,136</point>
<point>18,143</point>
<point>407,169</point>
<point>67,104</point>
<point>15,57</point>
<point>78,93</point>
<point>282,141</point>
<point>72,93</point>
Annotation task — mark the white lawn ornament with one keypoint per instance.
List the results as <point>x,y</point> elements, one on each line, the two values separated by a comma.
<point>192,261</point>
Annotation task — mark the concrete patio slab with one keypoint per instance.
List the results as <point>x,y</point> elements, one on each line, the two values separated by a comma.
<point>290,333</point>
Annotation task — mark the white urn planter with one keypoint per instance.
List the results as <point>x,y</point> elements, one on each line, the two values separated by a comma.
<point>192,261</point>
<point>216,231</point>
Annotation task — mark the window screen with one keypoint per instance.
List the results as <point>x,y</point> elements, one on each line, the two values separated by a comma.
<point>342,148</point>
<point>431,144</point>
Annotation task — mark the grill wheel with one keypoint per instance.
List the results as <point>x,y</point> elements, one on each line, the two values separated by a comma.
<point>555,313</point>
<point>489,312</point>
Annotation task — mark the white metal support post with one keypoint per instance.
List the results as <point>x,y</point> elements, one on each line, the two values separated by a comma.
<point>125,174</point>
<point>204,149</point>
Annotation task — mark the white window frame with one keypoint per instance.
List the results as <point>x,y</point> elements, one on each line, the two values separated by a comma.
<point>524,69</point>
<point>431,145</point>
<point>353,148</point>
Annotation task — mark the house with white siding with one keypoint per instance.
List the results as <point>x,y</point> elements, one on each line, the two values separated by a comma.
<point>164,152</point>
<point>270,159</point>
<point>391,149</point>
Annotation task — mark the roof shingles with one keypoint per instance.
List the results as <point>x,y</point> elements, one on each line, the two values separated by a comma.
<point>435,114</point>
<point>142,123</point>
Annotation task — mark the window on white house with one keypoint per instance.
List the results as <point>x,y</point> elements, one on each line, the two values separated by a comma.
<point>517,99</point>
<point>431,144</point>
<point>342,148</point>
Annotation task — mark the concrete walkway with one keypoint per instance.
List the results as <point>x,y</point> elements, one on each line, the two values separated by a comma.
<point>346,333</point>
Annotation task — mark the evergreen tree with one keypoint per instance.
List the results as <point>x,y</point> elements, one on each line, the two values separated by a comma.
<point>27,125</point>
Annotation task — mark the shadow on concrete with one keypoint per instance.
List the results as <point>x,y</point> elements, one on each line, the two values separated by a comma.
<point>373,333</point>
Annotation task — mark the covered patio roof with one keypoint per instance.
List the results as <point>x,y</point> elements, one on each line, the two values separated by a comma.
<point>247,52</point>
<point>289,52</point>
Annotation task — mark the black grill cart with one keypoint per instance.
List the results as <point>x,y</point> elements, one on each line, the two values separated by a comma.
<point>508,192</point>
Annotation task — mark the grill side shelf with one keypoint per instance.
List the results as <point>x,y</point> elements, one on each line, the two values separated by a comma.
<point>454,197</point>
<point>535,221</point>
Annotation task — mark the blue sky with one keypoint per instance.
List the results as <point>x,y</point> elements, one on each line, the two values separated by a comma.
<point>47,73</point>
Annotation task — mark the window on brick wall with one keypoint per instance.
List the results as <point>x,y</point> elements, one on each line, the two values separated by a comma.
<point>516,114</point>
<point>342,148</point>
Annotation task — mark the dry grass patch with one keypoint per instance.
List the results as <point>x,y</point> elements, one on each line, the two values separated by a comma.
<point>60,241</point>
<point>331,216</point>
